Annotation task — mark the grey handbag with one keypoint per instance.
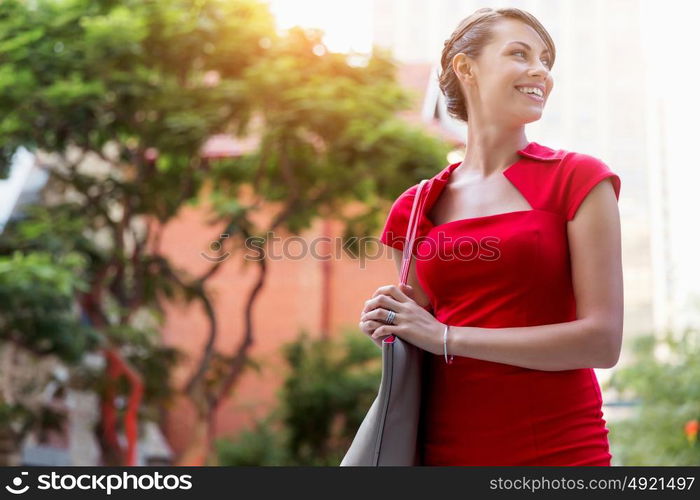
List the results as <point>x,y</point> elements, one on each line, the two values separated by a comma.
<point>389,432</point>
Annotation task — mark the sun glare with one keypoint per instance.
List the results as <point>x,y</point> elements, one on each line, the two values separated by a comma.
<point>347,25</point>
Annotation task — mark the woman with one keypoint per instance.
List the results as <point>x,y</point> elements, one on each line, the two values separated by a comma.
<point>518,273</point>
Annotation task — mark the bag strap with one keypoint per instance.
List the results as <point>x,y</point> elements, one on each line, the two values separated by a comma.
<point>413,222</point>
<point>414,219</point>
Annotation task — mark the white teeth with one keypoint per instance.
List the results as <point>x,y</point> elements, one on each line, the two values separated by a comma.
<point>530,90</point>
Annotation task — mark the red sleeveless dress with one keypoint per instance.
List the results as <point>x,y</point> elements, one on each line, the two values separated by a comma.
<point>513,270</point>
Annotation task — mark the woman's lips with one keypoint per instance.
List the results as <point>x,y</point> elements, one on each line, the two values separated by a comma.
<point>534,97</point>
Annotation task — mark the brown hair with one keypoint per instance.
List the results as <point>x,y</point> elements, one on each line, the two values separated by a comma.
<point>470,37</point>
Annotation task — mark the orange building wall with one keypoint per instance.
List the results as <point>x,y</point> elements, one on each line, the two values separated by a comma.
<point>290,300</point>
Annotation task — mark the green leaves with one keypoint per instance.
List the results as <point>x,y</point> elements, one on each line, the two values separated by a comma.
<point>22,42</point>
<point>664,379</point>
<point>71,90</point>
<point>330,386</point>
<point>118,33</point>
<point>84,73</point>
<point>37,308</point>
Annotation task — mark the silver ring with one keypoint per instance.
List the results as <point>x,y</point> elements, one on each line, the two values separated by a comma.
<point>390,318</point>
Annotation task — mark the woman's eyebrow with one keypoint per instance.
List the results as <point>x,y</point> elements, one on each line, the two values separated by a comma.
<point>527,46</point>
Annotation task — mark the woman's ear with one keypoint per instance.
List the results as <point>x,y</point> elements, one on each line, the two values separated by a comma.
<point>462,66</point>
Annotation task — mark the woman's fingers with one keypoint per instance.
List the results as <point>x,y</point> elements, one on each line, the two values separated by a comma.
<point>393,291</point>
<point>379,314</point>
<point>368,328</point>
<point>384,301</point>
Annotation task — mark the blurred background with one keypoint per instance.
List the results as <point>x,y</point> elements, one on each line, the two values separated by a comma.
<point>191,193</point>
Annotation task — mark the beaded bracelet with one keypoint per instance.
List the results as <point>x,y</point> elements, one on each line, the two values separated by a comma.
<point>444,345</point>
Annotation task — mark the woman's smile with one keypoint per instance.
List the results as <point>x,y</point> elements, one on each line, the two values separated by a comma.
<point>534,97</point>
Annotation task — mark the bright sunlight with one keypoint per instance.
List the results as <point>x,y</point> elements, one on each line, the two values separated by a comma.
<point>347,26</point>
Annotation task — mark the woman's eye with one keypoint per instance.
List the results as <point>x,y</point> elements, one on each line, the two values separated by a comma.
<point>546,61</point>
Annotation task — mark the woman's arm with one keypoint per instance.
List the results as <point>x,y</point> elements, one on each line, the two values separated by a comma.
<point>595,338</point>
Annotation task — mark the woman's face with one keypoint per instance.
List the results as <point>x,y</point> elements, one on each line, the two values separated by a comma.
<point>491,82</point>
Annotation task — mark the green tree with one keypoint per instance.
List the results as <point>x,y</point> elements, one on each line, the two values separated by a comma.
<point>40,330</point>
<point>665,379</point>
<point>139,87</point>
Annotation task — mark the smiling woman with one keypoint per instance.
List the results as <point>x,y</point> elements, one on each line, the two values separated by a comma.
<point>471,38</point>
<point>529,321</point>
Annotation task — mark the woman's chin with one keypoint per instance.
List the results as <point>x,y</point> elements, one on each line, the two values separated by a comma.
<point>532,116</point>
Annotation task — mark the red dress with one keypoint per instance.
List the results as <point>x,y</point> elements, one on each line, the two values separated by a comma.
<point>513,270</point>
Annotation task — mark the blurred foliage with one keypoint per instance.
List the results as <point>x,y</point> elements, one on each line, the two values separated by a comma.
<point>326,394</point>
<point>665,378</point>
<point>88,72</point>
<point>30,284</point>
<point>165,75</point>
<point>37,305</point>
<point>59,230</point>
<point>118,99</point>
<point>40,330</point>
<point>263,445</point>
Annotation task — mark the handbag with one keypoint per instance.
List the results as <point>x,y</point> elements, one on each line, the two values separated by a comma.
<point>388,435</point>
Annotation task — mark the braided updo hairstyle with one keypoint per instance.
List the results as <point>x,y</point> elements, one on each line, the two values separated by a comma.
<point>470,37</point>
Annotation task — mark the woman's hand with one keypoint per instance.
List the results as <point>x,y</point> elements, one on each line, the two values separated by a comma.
<point>368,327</point>
<point>412,322</point>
